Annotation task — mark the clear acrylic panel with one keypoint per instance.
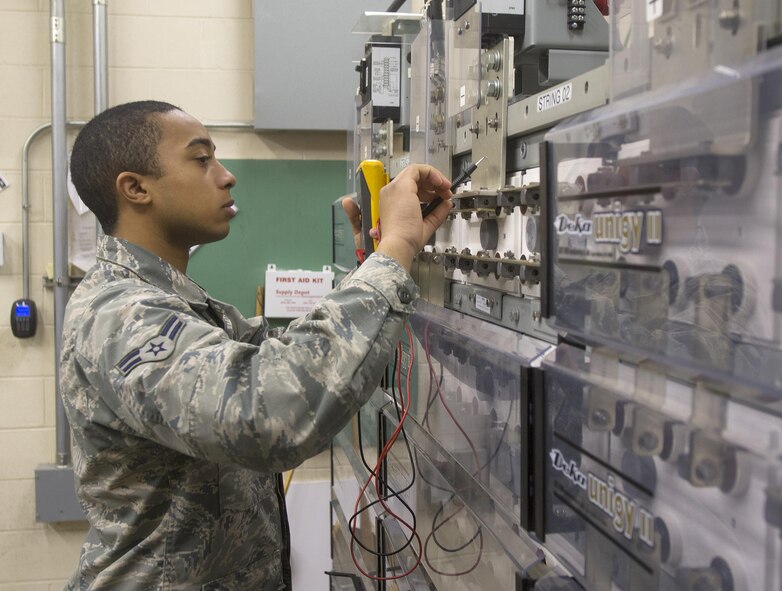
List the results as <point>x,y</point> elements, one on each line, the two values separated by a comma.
<point>438,139</point>
<point>463,540</point>
<point>429,134</point>
<point>672,484</point>
<point>629,60</point>
<point>667,224</point>
<point>458,552</point>
<point>470,393</point>
<point>419,94</point>
<point>352,144</point>
<point>464,61</point>
<point>658,43</point>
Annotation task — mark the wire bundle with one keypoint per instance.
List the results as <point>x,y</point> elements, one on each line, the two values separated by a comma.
<point>376,477</point>
<point>385,492</point>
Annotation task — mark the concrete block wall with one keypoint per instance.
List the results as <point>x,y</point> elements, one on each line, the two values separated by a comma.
<point>194,53</point>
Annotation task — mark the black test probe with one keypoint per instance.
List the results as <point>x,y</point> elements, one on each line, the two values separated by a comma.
<point>432,205</point>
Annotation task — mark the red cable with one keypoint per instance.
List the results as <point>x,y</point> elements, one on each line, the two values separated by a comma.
<point>602,6</point>
<point>430,395</point>
<point>448,410</point>
<point>477,471</point>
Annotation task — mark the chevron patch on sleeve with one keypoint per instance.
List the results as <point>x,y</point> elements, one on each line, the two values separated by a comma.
<point>155,349</point>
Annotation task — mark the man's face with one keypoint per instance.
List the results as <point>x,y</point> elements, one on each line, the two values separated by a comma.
<point>192,200</point>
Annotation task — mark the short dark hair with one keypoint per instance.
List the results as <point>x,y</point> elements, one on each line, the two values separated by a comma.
<point>122,138</point>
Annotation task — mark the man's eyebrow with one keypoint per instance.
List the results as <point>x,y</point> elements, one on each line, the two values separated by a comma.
<point>202,141</point>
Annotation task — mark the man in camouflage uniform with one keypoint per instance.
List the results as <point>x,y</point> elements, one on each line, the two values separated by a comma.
<point>183,412</point>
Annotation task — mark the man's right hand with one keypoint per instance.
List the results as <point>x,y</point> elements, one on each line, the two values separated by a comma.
<point>403,230</point>
<point>353,213</point>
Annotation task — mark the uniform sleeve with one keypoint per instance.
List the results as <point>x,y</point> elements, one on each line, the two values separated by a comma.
<point>252,330</point>
<point>172,377</point>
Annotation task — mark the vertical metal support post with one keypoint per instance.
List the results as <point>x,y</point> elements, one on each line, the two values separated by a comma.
<point>60,200</point>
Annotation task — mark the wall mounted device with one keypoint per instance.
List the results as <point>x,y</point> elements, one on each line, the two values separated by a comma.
<point>24,318</point>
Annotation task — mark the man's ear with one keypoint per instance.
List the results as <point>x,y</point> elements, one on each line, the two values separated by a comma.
<point>132,188</point>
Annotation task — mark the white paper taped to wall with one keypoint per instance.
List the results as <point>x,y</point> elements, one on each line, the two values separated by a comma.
<point>82,230</point>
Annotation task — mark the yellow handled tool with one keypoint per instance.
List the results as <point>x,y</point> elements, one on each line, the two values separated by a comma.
<point>372,177</point>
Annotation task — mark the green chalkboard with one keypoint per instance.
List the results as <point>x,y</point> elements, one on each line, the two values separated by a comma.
<point>284,218</point>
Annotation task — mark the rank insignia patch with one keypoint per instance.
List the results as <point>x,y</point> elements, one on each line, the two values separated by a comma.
<point>155,349</point>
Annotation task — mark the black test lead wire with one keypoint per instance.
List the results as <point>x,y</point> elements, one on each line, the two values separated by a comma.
<point>393,493</point>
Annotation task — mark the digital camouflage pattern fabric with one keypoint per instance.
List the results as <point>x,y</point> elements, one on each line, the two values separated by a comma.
<point>183,413</point>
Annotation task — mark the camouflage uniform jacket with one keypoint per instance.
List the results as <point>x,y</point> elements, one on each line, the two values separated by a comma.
<point>183,413</point>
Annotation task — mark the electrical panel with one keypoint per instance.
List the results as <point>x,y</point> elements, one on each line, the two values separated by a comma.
<point>589,394</point>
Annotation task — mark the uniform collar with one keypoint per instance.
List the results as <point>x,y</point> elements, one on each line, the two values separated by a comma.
<point>150,268</point>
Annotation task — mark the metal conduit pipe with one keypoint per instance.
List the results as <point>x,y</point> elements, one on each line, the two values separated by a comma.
<point>26,200</point>
<point>60,201</point>
<point>100,66</point>
<point>100,55</point>
<point>238,125</point>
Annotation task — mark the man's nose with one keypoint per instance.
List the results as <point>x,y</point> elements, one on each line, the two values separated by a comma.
<point>228,180</point>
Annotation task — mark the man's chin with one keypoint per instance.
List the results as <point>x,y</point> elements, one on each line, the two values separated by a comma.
<point>208,239</point>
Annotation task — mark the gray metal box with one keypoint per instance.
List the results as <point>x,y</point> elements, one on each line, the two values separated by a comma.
<point>55,495</point>
<point>305,57</point>
<point>546,28</point>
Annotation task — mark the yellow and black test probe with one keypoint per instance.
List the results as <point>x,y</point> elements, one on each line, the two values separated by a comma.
<point>372,177</point>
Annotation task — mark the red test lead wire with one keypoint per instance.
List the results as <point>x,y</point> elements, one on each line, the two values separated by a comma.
<point>381,457</point>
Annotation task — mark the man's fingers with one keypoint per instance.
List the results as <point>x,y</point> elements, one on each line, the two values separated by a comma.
<point>353,212</point>
<point>427,177</point>
<point>439,214</point>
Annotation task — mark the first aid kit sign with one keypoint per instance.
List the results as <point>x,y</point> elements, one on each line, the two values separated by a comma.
<point>290,294</point>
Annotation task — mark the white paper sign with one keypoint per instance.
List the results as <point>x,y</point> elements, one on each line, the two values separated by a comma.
<point>82,238</point>
<point>82,230</point>
<point>386,64</point>
<point>290,294</point>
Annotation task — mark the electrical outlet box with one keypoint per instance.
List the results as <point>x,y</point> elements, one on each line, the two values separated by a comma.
<point>55,495</point>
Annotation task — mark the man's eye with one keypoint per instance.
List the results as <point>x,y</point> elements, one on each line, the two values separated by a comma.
<point>203,159</point>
